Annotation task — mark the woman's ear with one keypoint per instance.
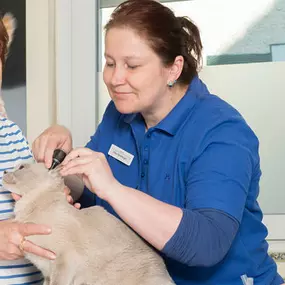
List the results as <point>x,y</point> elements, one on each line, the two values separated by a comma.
<point>10,24</point>
<point>176,69</point>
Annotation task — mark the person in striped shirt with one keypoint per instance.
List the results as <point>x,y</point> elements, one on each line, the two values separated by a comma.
<point>14,149</point>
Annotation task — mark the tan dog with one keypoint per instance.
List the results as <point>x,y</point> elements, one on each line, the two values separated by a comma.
<point>92,246</point>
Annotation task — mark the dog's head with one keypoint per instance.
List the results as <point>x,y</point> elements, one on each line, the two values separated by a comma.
<point>29,177</point>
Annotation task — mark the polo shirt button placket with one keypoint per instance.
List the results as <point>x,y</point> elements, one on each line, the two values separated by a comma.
<point>145,156</point>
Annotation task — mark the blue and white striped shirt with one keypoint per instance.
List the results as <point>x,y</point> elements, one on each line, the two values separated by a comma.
<point>14,149</point>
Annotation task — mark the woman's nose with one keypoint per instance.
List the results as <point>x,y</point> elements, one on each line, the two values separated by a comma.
<point>118,76</point>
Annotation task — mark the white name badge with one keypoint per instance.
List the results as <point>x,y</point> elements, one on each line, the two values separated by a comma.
<point>120,154</point>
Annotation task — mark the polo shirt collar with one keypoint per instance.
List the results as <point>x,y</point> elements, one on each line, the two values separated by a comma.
<point>175,119</point>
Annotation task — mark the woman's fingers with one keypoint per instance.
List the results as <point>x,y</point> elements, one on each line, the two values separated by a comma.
<point>51,139</point>
<point>28,246</point>
<point>75,153</point>
<point>15,196</point>
<point>38,147</point>
<point>76,169</point>
<point>48,152</point>
<point>76,162</point>
<point>77,205</point>
<point>29,229</point>
<point>66,191</point>
<point>34,229</point>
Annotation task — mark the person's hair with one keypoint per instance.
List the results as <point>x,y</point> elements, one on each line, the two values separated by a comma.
<point>168,36</point>
<point>4,39</point>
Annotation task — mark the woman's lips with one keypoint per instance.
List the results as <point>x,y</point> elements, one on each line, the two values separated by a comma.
<point>121,95</point>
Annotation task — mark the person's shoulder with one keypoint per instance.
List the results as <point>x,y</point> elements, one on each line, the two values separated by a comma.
<point>215,109</point>
<point>7,125</point>
<point>213,112</point>
<point>218,121</point>
<point>13,144</point>
<point>9,129</point>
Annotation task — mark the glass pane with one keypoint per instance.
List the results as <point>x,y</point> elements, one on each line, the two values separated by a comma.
<point>278,52</point>
<point>233,31</point>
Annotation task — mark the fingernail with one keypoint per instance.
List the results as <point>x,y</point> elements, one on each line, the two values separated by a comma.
<point>52,256</point>
<point>48,230</point>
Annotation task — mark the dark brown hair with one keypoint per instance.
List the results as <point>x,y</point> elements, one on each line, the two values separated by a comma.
<point>167,35</point>
<point>4,38</point>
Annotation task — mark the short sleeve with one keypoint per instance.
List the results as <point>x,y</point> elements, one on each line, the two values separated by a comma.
<point>93,143</point>
<point>221,174</point>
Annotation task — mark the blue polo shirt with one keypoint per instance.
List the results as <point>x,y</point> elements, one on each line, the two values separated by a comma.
<point>203,155</point>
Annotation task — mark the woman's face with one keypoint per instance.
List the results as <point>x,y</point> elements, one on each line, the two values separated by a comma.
<point>134,75</point>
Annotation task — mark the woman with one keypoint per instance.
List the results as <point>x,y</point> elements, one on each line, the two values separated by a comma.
<point>14,269</point>
<point>177,164</point>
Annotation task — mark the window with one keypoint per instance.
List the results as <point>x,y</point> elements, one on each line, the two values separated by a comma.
<point>278,52</point>
<point>232,32</point>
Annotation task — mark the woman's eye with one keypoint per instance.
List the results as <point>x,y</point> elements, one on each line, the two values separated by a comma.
<point>132,66</point>
<point>109,64</point>
<point>21,166</point>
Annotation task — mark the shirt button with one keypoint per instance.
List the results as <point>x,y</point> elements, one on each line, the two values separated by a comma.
<point>142,174</point>
<point>146,148</point>
<point>145,161</point>
<point>148,135</point>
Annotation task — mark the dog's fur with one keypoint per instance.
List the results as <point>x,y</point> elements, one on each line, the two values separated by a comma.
<point>92,246</point>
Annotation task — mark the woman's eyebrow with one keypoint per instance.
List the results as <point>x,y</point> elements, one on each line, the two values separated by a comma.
<point>128,57</point>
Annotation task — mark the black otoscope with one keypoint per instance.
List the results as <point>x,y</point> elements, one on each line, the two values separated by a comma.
<point>57,158</point>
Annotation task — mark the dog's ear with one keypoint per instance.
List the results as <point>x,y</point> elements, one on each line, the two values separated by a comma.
<point>10,24</point>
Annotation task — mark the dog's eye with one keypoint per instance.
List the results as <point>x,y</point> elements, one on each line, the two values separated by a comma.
<point>21,166</point>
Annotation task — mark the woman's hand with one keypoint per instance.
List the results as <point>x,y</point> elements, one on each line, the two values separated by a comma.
<point>69,198</point>
<point>51,139</point>
<point>13,242</point>
<point>94,169</point>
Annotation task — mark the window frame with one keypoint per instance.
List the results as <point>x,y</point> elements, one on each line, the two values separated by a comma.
<point>76,67</point>
<point>114,3</point>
